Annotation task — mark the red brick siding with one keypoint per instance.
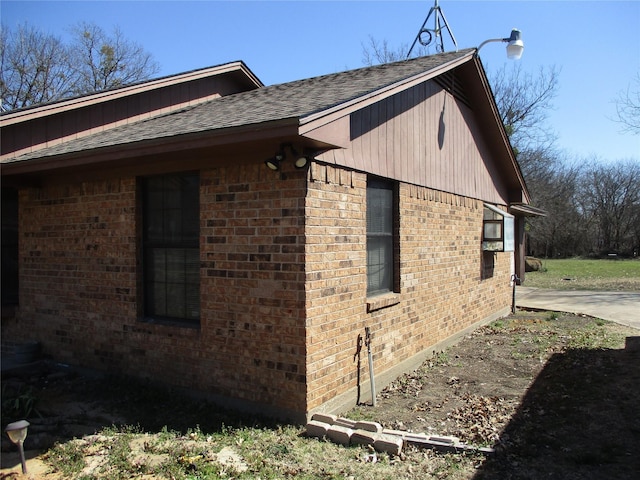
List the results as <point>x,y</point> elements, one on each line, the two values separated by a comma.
<point>253,283</point>
<point>80,295</point>
<point>77,281</point>
<point>273,331</point>
<point>440,287</point>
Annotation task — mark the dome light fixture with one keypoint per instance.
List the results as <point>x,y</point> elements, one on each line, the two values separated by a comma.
<point>515,45</point>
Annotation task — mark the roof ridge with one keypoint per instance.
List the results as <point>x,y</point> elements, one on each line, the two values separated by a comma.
<point>407,61</point>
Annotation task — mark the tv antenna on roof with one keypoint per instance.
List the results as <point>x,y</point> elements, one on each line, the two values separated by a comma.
<point>426,36</point>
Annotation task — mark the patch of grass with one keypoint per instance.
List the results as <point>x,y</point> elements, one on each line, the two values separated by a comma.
<point>441,359</point>
<point>496,325</point>
<point>551,316</point>
<point>587,274</point>
<point>66,458</point>
<point>363,413</point>
<point>595,337</point>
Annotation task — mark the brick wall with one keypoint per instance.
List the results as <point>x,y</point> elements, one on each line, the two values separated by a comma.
<point>441,290</point>
<point>272,331</point>
<point>77,274</point>
<point>80,285</point>
<point>253,283</point>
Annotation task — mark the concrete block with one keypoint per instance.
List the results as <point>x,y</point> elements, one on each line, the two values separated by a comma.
<point>444,439</point>
<point>415,437</point>
<point>368,426</point>
<point>317,429</point>
<point>397,433</point>
<point>345,422</point>
<point>324,418</point>
<point>488,451</point>
<point>340,434</point>
<point>441,447</point>
<point>390,444</point>
<point>364,437</point>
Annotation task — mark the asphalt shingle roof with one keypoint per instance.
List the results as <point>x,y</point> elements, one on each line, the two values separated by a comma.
<point>297,99</point>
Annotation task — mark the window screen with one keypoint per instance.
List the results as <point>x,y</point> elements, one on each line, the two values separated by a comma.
<point>380,231</point>
<point>171,226</point>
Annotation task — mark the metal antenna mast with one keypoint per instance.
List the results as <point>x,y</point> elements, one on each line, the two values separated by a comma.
<point>428,35</point>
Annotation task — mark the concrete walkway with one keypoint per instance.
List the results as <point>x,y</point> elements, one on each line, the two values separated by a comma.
<point>619,307</point>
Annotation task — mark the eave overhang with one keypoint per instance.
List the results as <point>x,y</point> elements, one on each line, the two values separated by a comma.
<point>497,131</point>
<point>523,210</point>
<point>211,141</point>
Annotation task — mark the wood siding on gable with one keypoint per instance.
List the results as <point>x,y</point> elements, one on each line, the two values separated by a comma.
<point>60,126</point>
<point>423,136</point>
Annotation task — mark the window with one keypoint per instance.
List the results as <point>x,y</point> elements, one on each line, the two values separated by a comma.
<point>488,264</point>
<point>498,233</point>
<point>171,246</point>
<point>382,234</point>
<point>9,246</point>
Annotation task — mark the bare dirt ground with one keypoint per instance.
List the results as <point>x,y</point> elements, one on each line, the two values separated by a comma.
<point>556,396</point>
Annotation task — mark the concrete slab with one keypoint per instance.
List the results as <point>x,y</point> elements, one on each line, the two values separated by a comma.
<point>619,307</point>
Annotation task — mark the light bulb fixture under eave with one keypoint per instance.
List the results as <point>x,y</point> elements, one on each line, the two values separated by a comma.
<point>301,161</point>
<point>273,163</point>
<point>515,45</point>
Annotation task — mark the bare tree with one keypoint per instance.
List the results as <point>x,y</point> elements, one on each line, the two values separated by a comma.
<point>377,52</point>
<point>553,184</point>
<point>524,100</point>
<point>103,61</point>
<point>612,198</point>
<point>628,107</point>
<point>38,67</point>
<point>34,68</point>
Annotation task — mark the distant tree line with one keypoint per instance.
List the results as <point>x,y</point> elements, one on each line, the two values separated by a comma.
<point>38,67</point>
<point>593,206</point>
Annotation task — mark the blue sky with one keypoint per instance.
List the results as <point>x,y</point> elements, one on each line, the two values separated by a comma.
<point>595,44</point>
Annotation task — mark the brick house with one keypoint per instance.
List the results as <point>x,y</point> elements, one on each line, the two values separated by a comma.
<point>144,234</point>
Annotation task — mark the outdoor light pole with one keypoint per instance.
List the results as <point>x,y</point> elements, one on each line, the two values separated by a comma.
<point>515,45</point>
<point>17,432</point>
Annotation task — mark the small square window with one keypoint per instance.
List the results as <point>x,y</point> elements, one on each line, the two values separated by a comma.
<point>498,230</point>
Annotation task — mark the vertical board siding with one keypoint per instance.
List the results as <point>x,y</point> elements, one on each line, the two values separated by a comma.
<point>58,127</point>
<point>398,138</point>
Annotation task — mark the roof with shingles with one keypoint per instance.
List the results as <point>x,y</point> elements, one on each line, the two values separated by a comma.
<point>292,100</point>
